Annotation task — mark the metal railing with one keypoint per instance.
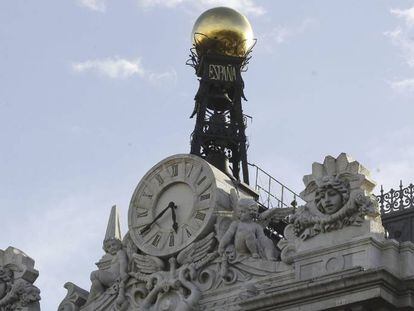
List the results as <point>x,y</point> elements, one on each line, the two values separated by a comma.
<point>396,200</point>
<point>272,193</point>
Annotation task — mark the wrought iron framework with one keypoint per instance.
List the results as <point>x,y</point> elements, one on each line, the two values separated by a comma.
<point>396,206</point>
<point>397,212</point>
<point>396,200</point>
<point>272,193</point>
<point>219,134</point>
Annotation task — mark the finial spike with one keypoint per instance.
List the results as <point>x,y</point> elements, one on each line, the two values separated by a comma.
<point>113,230</point>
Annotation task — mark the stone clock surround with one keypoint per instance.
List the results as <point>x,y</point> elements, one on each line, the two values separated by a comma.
<point>200,191</point>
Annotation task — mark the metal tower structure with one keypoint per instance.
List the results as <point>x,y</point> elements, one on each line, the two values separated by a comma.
<point>219,134</point>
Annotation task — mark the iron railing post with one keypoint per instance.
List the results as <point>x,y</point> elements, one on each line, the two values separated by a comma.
<point>268,194</point>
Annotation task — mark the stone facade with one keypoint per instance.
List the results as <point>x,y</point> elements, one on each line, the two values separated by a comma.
<point>334,255</point>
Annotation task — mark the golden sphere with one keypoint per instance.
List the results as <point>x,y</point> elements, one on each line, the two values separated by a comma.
<point>222,30</point>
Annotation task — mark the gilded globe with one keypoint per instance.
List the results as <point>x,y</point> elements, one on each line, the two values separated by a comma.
<point>224,31</point>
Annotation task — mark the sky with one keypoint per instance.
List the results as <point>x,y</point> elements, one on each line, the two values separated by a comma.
<point>93,93</point>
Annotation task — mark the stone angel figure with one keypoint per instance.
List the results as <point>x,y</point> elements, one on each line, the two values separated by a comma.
<point>108,282</point>
<point>245,234</point>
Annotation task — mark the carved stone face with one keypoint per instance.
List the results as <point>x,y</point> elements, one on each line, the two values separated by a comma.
<point>246,209</point>
<point>112,246</point>
<point>244,214</point>
<point>6,275</point>
<point>330,201</point>
<point>230,252</point>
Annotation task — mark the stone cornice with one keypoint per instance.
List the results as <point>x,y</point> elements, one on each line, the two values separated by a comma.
<point>330,291</point>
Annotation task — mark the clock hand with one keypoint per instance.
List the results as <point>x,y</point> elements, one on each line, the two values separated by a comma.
<point>147,227</point>
<point>174,218</point>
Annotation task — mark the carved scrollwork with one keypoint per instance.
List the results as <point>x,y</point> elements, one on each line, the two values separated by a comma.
<point>75,298</point>
<point>396,200</point>
<point>21,294</point>
<point>206,278</point>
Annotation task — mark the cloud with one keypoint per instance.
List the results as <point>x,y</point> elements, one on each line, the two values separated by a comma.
<point>114,68</point>
<point>403,86</point>
<point>122,68</point>
<point>408,15</point>
<point>245,6</point>
<point>163,77</point>
<point>402,38</point>
<point>280,34</point>
<point>388,168</point>
<point>94,5</point>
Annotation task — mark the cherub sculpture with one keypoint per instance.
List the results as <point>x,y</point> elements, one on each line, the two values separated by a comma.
<point>113,267</point>
<point>102,279</point>
<point>245,234</point>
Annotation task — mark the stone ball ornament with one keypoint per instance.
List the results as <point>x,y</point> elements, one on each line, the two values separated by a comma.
<point>223,31</point>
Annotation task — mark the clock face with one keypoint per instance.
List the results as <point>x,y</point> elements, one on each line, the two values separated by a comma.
<point>172,205</point>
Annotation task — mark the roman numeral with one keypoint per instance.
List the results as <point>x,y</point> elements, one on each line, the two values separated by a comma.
<point>159,179</point>
<point>142,213</point>
<point>201,180</point>
<point>171,240</point>
<point>147,195</point>
<point>205,197</point>
<point>188,232</point>
<point>141,227</point>
<point>149,189</point>
<point>156,240</point>
<point>195,174</point>
<point>190,171</point>
<point>174,170</point>
<point>200,216</point>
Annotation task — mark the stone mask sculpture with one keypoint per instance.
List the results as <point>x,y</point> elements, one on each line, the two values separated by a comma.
<point>332,194</point>
<point>337,195</point>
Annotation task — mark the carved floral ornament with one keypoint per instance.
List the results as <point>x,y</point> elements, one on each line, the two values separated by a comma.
<point>337,194</point>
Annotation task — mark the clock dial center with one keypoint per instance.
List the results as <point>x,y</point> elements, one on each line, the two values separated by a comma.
<point>183,197</point>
